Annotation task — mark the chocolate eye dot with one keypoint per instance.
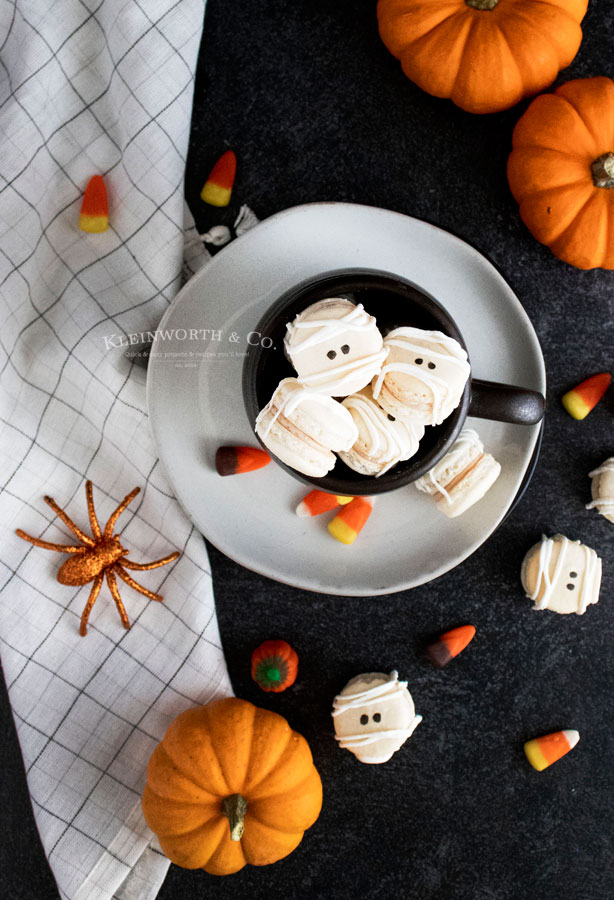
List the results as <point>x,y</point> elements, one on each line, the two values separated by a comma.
<point>345,348</point>
<point>432,366</point>
<point>331,354</point>
<point>570,587</point>
<point>392,418</point>
<point>418,361</point>
<point>377,717</point>
<point>364,719</point>
<point>573,574</point>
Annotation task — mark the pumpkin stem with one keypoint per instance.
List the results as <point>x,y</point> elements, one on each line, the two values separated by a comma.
<point>603,170</point>
<point>235,808</point>
<point>482,4</point>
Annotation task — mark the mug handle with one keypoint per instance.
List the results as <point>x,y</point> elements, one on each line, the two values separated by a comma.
<point>505,403</point>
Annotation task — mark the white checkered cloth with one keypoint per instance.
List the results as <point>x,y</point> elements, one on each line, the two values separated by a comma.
<point>87,87</point>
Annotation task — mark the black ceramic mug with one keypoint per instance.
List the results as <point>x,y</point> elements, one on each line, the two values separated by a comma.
<point>394,303</point>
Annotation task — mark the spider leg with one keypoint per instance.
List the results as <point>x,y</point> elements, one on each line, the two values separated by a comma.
<point>118,600</point>
<point>134,584</point>
<point>89,493</point>
<point>145,567</point>
<point>108,530</point>
<point>69,522</point>
<point>63,548</point>
<point>90,602</point>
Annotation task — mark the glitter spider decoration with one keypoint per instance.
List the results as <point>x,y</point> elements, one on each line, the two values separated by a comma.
<point>100,556</point>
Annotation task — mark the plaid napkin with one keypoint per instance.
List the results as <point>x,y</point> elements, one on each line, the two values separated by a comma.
<point>94,87</point>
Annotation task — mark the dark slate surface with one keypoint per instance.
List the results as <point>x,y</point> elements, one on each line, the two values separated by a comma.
<point>316,109</point>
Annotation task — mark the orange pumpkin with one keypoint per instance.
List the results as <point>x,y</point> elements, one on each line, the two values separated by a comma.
<point>230,784</point>
<point>485,55</point>
<point>561,171</point>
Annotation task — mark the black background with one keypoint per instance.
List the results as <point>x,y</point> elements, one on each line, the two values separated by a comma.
<point>317,109</point>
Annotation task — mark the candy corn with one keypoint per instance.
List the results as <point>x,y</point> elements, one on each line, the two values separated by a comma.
<point>450,644</point>
<point>94,216</point>
<point>237,460</point>
<point>350,520</point>
<point>580,400</point>
<point>218,186</point>
<point>317,502</point>
<point>543,751</point>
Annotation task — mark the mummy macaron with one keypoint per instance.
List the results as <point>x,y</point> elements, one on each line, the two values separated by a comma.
<point>382,440</point>
<point>462,476</point>
<point>561,575</point>
<point>602,489</point>
<point>335,346</point>
<point>302,428</point>
<point>373,716</point>
<point>423,377</point>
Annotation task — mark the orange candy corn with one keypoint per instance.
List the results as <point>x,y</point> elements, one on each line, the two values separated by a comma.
<point>450,644</point>
<point>237,460</point>
<point>580,400</point>
<point>543,751</point>
<point>94,216</point>
<point>317,502</point>
<point>218,186</point>
<point>350,520</point>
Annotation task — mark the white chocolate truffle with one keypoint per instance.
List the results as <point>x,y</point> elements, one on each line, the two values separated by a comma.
<point>602,489</point>
<point>462,476</point>
<point>335,347</point>
<point>374,715</point>
<point>424,375</point>
<point>561,575</point>
<point>303,428</point>
<point>382,441</point>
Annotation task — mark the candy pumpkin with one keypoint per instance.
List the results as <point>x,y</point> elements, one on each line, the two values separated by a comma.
<point>561,171</point>
<point>230,784</point>
<point>274,666</point>
<point>485,55</point>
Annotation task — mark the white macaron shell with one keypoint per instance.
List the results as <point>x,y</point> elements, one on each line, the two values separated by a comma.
<point>602,489</point>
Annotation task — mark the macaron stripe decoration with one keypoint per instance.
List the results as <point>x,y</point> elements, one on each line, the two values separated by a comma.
<point>94,217</point>
<point>217,189</point>
<point>238,460</point>
<point>543,751</point>
<point>582,399</point>
<point>350,520</point>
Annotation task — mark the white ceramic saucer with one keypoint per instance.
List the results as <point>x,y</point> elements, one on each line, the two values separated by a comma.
<point>195,399</point>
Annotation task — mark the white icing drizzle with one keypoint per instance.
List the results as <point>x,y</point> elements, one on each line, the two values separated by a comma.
<point>607,466</point>
<point>349,741</point>
<point>384,439</point>
<point>439,387</point>
<point>290,403</point>
<point>384,691</point>
<point>328,380</point>
<point>467,438</point>
<point>592,564</point>
<point>354,320</point>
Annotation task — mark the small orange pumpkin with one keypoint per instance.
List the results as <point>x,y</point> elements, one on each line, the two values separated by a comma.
<point>561,171</point>
<point>274,666</point>
<point>485,55</point>
<point>230,784</point>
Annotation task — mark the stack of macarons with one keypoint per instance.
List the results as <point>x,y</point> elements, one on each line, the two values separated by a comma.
<point>369,397</point>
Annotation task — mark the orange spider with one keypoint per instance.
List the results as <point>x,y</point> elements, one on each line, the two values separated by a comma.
<point>101,556</point>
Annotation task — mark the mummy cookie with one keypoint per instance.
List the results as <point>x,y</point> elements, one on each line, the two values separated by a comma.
<point>462,476</point>
<point>602,489</point>
<point>561,575</point>
<point>374,715</point>
<point>382,441</point>
<point>335,347</point>
<point>423,377</point>
<point>302,428</point>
